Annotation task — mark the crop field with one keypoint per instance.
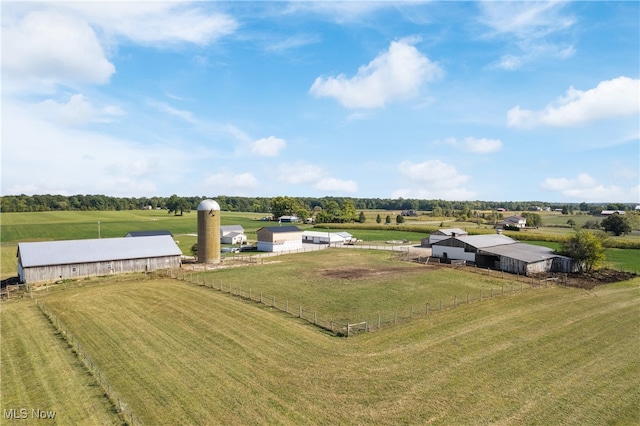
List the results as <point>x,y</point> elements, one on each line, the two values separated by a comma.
<point>180,353</point>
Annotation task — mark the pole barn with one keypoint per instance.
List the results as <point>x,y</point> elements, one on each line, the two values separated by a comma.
<point>55,260</point>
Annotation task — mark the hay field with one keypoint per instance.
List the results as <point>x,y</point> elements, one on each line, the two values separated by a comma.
<point>179,353</point>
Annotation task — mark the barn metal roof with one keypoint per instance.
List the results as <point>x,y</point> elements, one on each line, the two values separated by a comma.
<point>282,229</point>
<point>481,241</point>
<point>451,231</point>
<point>523,252</point>
<point>148,233</point>
<point>232,228</point>
<point>96,250</point>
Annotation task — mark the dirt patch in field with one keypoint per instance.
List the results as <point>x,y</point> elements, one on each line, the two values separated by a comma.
<point>589,280</point>
<point>360,273</point>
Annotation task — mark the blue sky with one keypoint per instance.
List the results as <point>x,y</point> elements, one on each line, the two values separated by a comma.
<point>496,101</point>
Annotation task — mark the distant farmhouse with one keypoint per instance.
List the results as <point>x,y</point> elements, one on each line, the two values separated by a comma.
<point>610,212</point>
<point>55,260</point>
<point>512,221</point>
<point>502,253</point>
<point>279,238</point>
<point>232,234</point>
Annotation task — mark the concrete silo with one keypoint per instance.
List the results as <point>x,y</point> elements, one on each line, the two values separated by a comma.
<point>208,232</point>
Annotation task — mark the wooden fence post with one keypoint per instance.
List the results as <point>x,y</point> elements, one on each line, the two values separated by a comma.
<point>427,310</point>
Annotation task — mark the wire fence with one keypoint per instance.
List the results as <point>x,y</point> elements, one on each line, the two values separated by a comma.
<point>123,409</point>
<point>346,328</point>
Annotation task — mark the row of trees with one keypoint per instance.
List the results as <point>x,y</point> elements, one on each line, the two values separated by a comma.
<point>31,203</point>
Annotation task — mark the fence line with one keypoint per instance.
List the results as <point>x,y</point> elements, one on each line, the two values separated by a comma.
<point>351,327</point>
<point>118,404</point>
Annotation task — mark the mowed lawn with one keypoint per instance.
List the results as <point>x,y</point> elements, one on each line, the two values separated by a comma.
<point>38,371</point>
<point>179,353</point>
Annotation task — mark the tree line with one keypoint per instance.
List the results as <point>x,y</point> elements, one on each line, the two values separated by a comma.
<point>340,208</point>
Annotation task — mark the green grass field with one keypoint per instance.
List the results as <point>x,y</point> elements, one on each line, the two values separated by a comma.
<point>38,371</point>
<point>179,353</point>
<point>376,284</point>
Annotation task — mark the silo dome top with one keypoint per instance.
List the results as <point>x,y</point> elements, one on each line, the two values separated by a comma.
<point>208,205</point>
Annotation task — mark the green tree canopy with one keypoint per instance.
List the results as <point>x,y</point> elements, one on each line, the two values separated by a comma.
<point>534,220</point>
<point>178,205</point>
<point>399,219</point>
<point>362,218</point>
<point>378,219</point>
<point>585,248</point>
<point>616,223</point>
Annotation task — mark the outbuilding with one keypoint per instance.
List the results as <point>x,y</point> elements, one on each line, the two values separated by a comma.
<point>55,260</point>
<point>319,237</point>
<point>279,238</point>
<point>232,234</point>
<point>500,252</point>
<point>442,234</point>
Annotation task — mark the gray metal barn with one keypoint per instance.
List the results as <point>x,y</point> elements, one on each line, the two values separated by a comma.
<point>54,260</point>
<point>502,253</point>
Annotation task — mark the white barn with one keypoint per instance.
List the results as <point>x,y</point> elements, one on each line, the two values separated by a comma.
<point>279,238</point>
<point>319,237</point>
<point>54,260</point>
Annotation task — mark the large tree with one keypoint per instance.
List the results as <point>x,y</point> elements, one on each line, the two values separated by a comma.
<point>616,223</point>
<point>585,248</point>
<point>178,205</point>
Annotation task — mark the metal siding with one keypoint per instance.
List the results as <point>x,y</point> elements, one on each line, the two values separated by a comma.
<point>81,270</point>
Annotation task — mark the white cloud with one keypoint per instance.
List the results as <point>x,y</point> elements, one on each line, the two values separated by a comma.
<point>432,179</point>
<point>166,108</point>
<point>268,147</point>
<point>45,45</point>
<point>232,184</point>
<point>157,23</point>
<point>44,49</point>
<point>476,145</point>
<point>534,28</point>
<point>525,19</point>
<point>299,172</point>
<point>433,172</point>
<point>611,98</point>
<point>586,188</point>
<point>334,185</point>
<point>76,111</point>
<point>395,74</point>
<point>70,161</point>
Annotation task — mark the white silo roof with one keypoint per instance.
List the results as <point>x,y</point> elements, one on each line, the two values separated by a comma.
<point>208,205</point>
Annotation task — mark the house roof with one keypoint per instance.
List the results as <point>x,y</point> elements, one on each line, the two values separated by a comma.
<point>451,231</point>
<point>95,250</point>
<point>282,229</point>
<point>232,228</point>
<point>481,241</point>
<point>149,233</point>
<point>523,252</point>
